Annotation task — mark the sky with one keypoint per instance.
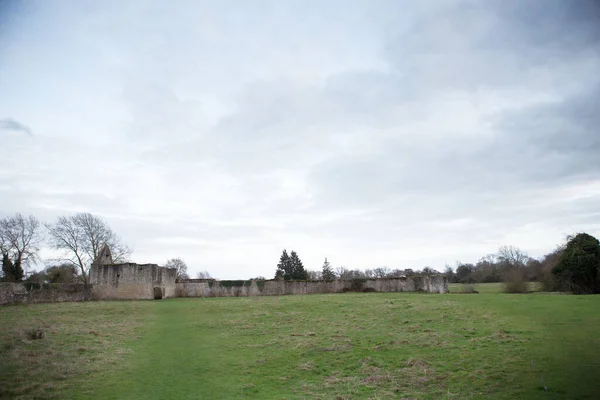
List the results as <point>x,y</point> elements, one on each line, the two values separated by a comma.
<point>374,133</point>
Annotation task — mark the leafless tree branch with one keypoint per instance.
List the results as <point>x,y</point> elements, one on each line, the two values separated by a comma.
<point>81,237</point>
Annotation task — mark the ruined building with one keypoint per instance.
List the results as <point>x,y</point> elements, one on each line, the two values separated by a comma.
<point>129,281</point>
<point>111,280</point>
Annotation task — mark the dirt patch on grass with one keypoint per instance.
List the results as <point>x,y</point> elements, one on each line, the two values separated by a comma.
<point>306,366</point>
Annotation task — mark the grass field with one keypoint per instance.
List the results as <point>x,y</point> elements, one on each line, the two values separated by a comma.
<point>338,346</point>
<point>496,287</point>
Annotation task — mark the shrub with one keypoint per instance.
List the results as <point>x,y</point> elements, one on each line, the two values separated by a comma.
<point>548,282</point>
<point>516,283</point>
<point>357,285</point>
<point>468,288</point>
<point>516,286</point>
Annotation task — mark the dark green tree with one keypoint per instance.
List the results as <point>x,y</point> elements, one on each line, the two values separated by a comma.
<point>328,273</point>
<point>18,272</point>
<point>579,265</point>
<point>12,271</point>
<point>463,273</point>
<point>64,273</point>
<point>298,271</point>
<point>449,273</point>
<point>7,269</point>
<point>38,277</point>
<point>284,268</point>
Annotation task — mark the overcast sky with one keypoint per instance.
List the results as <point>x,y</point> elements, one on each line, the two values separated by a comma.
<point>376,133</point>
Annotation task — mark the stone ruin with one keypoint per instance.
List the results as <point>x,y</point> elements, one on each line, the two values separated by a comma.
<point>130,281</point>
<point>111,280</point>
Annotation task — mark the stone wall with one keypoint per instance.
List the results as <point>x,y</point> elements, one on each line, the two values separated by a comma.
<point>118,282</point>
<point>16,293</point>
<point>131,281</point>
<point>212,288</point>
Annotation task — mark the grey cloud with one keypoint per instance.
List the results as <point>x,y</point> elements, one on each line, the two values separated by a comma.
<point>9,124</point>
<point>551,142</point>
<point>471,44</point>
<point>451,132</point>
<point>565,27</point>
<point>502,179</point>
<point>280,125</point>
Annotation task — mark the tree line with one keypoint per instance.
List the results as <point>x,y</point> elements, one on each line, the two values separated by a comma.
<point>573,266</point>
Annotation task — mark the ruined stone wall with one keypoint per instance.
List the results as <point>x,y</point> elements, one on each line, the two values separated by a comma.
<point>212,288</point>
<point>131,281</point>
<point>17,293</point>
<point>115,274</point>
<point>109,286</point>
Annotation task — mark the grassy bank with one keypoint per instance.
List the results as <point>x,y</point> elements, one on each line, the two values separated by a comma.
<point>343,346</point>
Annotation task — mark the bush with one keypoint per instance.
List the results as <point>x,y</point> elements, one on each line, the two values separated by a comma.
<point>548,282</point>
<point>516,286</point>
<point>516,283</point>
<point>468,288</point>
<point>357,285</point>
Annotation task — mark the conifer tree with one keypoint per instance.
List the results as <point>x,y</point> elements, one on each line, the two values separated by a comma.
<point>284,268</point>
<point>18,272</point>
<point>298,271</point>
<point>8,269</point>
<point>328,273</point>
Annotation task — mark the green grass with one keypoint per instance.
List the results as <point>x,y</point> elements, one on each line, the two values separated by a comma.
<point>338,346</point>
<point>496,287</point>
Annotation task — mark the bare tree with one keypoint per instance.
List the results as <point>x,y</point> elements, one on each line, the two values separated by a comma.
<point>343,272</point>
<point>81,238</point>
<point>180,266</point>
<point>20,238</point>
<point>203,275</point>
<point>314,275</point>
<point>512,256</point>
<point>381,272</point>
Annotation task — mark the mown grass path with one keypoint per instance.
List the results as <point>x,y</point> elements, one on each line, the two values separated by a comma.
<point>340,346</point>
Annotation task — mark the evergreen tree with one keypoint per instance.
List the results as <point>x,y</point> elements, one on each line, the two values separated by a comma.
<point>328,273</point>
<point>7,268</point>
<point>579,264</point>
<point>18,272</point>
<point>284,268</point>
<point>298,272</point>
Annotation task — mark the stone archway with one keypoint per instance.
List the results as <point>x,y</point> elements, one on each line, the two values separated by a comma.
<point>158,293</point>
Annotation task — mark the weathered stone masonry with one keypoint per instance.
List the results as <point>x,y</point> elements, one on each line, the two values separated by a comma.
<point>149,281</point>
<point>126,281</point>
<point>212,288</point>
<point>130,281</point>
